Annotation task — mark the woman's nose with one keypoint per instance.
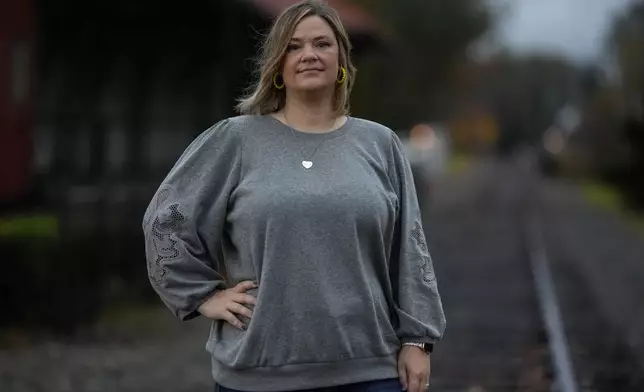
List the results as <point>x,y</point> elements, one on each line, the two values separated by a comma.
<point>308,53</point>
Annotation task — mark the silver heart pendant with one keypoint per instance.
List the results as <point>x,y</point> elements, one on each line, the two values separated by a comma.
<point>307,164</point>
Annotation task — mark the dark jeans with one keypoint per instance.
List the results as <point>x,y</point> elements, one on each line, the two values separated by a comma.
<point>388,385</point>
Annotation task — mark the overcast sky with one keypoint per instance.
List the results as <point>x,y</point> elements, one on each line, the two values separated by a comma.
<point>573,27</point>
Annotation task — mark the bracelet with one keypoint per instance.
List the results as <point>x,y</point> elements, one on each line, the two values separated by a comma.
<point>423,346</point>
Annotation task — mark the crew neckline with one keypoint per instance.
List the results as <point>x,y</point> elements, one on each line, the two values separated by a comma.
<point>339,131</point>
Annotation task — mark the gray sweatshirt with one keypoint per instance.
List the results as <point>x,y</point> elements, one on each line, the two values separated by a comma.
<point>338,251</point>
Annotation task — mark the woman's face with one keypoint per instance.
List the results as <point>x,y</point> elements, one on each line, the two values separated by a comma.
<point>312,57</point>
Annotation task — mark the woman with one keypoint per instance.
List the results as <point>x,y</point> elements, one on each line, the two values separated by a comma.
<point>312,217</point>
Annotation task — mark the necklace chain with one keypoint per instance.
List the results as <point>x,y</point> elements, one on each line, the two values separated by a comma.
<point>306,162</point>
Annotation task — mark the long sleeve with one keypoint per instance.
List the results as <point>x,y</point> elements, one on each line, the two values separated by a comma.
<point>418,307</point>
<point>184,223</point>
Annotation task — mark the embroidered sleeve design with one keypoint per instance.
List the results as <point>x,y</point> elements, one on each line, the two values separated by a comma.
<point>167,220</point>
<point>426,268</point>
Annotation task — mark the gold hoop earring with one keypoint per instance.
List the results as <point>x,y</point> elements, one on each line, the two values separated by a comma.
<point>343,78</point>
<point>277,86</point>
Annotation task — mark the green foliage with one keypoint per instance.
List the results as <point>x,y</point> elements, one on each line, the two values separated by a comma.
<point>35,226</point>
<point>602,195</point>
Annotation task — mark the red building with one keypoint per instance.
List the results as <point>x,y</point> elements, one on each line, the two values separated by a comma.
<point>17,104</point>
<point>355,19</point>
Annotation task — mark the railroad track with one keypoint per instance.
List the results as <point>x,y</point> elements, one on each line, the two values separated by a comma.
<point>513,323</point>
<point>495,339</point>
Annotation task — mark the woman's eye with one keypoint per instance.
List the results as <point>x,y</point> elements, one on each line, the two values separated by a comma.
<point>292,47</point>
<point>323,44</point>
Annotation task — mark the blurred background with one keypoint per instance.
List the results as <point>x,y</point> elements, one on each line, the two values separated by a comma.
<point>523,121</point>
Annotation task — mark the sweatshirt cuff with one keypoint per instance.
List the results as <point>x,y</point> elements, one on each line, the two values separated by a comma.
<point>193,312</point>
<point>417,339</point>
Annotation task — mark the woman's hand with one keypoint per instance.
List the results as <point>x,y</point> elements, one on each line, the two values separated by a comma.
<point>413,368</point>
<point>225,304</point>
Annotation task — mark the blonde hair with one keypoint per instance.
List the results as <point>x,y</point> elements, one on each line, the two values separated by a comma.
<point>263,97</point>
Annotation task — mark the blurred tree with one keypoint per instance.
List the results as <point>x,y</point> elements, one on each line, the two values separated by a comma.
<point>426,41</point>
<point>609,142</point>
<point>626,50</point>
<point>523,93</point>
